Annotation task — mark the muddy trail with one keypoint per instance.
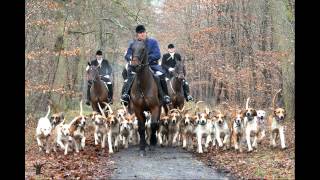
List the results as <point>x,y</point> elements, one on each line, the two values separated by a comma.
<point>161,163</point>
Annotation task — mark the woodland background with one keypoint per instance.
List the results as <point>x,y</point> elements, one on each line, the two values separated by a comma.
<point>233,49</point>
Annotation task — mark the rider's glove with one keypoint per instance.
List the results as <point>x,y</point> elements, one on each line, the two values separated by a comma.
<point>171,69</point>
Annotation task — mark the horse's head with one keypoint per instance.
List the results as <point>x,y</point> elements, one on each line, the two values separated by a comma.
<point>178,72</point>
<point>139,55</point>
<point>93,73</point>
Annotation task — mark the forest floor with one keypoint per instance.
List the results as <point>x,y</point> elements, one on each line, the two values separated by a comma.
<point>94,164</point>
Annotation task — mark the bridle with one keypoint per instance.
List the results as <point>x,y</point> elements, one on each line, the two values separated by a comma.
<point>138,67</point>
<point>96,75</point>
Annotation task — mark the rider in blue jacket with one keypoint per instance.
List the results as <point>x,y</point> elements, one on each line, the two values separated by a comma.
<point>153,56</point>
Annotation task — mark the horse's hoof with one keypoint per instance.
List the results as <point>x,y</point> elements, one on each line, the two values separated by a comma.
<point>142,153</point>
<point>152,148</point>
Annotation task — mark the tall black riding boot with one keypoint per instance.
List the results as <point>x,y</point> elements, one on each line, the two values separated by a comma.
<point>88,95</point>
<point>163,89</point>
<point>125,97</point>
<point>110,88</point>
<point>186,91</point>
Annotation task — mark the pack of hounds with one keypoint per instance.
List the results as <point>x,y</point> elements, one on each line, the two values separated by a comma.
<point>189,128</point>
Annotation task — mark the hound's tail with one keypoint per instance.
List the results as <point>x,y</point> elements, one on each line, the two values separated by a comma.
<point>207,110</point>
<point>247,103</point>
<point>274,98</point>
<point>124,107</point>
<point>110,110</point>
<point>48,112</point>
<point>197,107</point>
<point>101,110</point>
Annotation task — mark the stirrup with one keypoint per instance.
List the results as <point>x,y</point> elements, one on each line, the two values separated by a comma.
<point>189,98</point>
<point>125,99</point>
<point>110,101</point>
<point>166,99</point>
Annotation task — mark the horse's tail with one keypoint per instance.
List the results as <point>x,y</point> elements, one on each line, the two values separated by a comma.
<point>101,110</point>
<point>81,108</point>
<point>247,103</point>
<point>274,98</point>
<point>48,111</point>
<point>110,110</point>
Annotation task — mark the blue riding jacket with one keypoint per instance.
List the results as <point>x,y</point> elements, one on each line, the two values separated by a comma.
<point>153,54</point>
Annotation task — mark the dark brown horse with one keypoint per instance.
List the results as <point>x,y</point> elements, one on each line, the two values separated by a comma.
<point>175,87</point>
<point>98,90</point>
<point>144,94</point>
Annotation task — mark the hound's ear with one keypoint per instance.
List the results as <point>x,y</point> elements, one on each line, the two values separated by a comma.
<point>62,115</point>
<point>243,112</point>
<point>234,113</point>
<point>198,114</point>
<point>254,113</point>
<point>89,64</point>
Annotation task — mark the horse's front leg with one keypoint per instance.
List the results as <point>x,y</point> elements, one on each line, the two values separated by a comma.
<point>141,129</point>
<point>155,116</point>
<point>95,107</point>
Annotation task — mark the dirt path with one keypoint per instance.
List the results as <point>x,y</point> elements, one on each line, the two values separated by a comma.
<point>162,163</point>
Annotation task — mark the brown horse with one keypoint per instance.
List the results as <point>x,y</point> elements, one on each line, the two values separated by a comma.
<point>144,94</point>
<point>98,90</point>
<point>175,87</point>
